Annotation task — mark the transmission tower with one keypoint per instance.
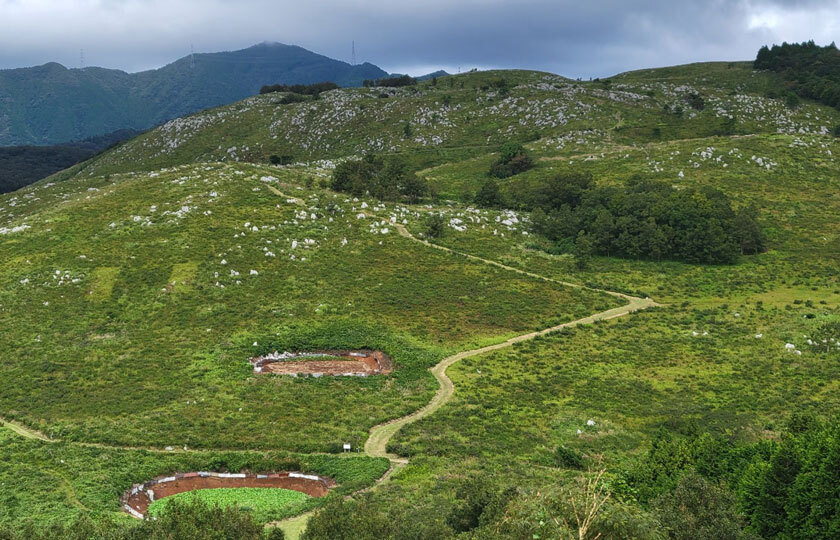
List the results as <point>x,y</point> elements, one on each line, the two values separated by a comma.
<point>353,61</point>
<point>82,57</point>
<point>192,56</point>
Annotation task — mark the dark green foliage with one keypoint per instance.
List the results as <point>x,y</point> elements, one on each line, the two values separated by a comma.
<point>644,220</point>
<point>696,101</point>
<point>568,458</point>
<point>435,225</point>
<point>386,179</point>
<point>362,519</point>
<point>748,231</point>
<point>407,130</point>
<point>795,493</point>
<point>302,89</point>
<point>489,196</point>
<point>513,159</point>
<point>182,520</point>
<point>479,502</point>
<point>285,159</point>
<point>837,130</point>
<point>23,165</point>
<point>810,71</point>
<point>392,82</point>
<point>698,509</point>
<point>294,98</point>
<point>559,513</point>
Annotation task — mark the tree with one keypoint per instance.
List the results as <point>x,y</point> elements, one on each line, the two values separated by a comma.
<point>748,231</point>
<point>385,179</point>
<point>489,195</point>
<point>697,509</point>
<point>583,250</point>
<point>584,510</point>
<point>435,225</point>
<point>513,159</point>
<point>837,130</point>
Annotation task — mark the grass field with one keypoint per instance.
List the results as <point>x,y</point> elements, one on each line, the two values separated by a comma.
<point>265,504</point>
<point>135,287</point>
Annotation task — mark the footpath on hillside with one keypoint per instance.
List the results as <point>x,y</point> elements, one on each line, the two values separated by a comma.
<point>380,435</point>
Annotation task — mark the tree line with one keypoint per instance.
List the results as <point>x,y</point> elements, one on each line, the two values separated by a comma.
<point>302,89</point>
<point>402,80</point>
<point>809,70</point>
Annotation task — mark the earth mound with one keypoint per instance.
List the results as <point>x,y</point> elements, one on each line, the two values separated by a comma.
<point>361,363</point>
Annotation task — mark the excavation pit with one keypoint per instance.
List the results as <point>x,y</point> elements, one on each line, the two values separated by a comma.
<point>332,363</point>
<point>136,501</point>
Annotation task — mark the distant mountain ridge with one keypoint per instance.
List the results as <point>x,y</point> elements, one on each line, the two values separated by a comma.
<point>52,104</point>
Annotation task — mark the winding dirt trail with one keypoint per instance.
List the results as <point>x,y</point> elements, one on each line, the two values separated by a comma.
<point>381,435</point>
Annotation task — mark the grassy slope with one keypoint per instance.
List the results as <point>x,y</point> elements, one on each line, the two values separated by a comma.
<point>148,338</point>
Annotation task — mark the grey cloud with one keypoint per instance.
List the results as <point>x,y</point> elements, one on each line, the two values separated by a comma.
<point>573,38</point>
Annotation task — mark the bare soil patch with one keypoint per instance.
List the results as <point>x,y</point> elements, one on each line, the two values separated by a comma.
<point>361,363</point>
<point>137,500</point>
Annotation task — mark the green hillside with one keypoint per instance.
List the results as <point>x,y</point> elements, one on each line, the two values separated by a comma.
<point>136,286</point>
<point>51,104</point>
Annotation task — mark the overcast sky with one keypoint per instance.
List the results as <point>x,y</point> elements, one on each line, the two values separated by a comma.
<point>573,38</point>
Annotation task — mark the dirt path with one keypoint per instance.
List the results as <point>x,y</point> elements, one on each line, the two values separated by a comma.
<point>381,435</point>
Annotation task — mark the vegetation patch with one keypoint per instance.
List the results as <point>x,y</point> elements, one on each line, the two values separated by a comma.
<point>265,504</point>
<point>103,280</point>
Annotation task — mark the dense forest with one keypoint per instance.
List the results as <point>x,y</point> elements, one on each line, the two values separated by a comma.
<point>811,71</point>
<point>642,219</point>
<point>23,165</point>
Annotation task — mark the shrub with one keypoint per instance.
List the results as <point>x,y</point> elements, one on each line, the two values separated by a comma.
<point>402,80</point>
<point>385,179</point>
<point>489,195</point>
<point>305,89</point>
<point>293,98</point>
<point>698,509</point>
<point>837,130</point>
<point>568,458</point>
<point>696,101</point>
<point>435,226</point>
<point>285,159</point>
<point>513,159</point>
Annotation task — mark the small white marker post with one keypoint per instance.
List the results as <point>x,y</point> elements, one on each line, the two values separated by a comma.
<point>347,447</point>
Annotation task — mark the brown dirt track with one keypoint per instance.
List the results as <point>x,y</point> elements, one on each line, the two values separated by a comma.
<point>359,363</point>
<point>139,499</point>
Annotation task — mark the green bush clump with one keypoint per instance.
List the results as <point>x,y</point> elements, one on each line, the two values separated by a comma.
<point>513,159</point>
<point>386,179</point>
<point>300,89</point>
<point>568,458</point>
<point>642,220</point>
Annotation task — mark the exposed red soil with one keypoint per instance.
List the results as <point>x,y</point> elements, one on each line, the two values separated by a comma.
<point>349,363</point>
<point>137,500</point>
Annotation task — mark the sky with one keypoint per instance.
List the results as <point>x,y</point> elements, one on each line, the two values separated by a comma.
<point>581,38</point>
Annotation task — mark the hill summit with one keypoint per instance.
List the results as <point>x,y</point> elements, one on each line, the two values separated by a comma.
<point>51,104</point>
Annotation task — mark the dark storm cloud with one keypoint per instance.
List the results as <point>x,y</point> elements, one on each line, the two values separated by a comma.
<point>574,38</point>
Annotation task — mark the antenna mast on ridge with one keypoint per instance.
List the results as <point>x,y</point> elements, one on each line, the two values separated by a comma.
<point>353,61</point>
<point>192,56</point>
<point>82,57</point>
